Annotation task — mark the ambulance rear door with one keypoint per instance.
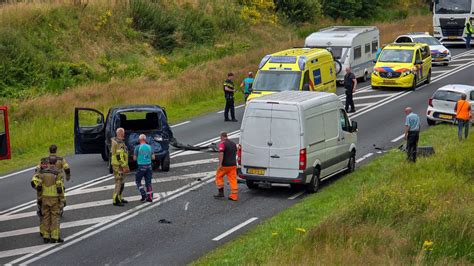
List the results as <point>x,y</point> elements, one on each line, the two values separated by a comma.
<point>5,152</point>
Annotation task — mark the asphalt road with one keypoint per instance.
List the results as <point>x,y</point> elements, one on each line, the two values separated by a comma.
<point>185,221</point>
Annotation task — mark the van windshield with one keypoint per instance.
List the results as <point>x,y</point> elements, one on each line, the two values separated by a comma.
<point>277,81</point>
<point>396,56</point>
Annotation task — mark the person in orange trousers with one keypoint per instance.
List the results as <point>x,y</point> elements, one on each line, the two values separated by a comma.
<point>227,167</point>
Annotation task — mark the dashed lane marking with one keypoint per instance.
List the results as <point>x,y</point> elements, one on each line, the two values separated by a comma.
<point>180,124</point>
<point>296,195</point>
<point>230,231</point>
<point>398,138</point>
<point>374,96</point>
<point>368,155</point>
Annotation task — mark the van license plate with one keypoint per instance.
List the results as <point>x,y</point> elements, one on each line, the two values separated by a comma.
<point>256,171</point>
<point>389,82</point>
<point>446,116</point>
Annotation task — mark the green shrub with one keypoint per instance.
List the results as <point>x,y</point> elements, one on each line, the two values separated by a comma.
<point>156,22</point>
<point>228,18</point>
<point>298,11</point>
<point>198,27</point>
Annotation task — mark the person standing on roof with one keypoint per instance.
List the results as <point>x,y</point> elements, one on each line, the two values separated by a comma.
<point>247,85</point>
<point>227,167</point>
<point>350,83</point>
<point>229,91</point>
<point>469,32</point>
<point>463,116</point>
<point>143,155</point>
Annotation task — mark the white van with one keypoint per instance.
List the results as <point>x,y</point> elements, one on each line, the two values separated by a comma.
<point>353,46</point>
<point>296,137</point>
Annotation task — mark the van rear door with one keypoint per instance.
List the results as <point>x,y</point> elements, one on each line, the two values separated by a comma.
<point>285,141</point>
<point>255,139</point>
<point>5,152</point>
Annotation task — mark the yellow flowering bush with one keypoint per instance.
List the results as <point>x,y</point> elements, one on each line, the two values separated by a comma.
<point>258,11</point>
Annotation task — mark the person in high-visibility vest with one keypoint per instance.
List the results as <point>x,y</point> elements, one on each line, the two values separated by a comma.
<point>469,31</point>
<point>463,115</point>
<point>119,160</point>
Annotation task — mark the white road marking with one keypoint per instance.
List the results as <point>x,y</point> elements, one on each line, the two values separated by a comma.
<point>230,231</point>
<point>462,59</point>
<point>441,71</point>
<point>374,96</point>
<point>398,138</point>
<point>180,124</point>
<point>95,229</point>
<point>198,162</point>
<point>22,251</point>
<point>35,229</point>
<point>296,195</point>
<point>236,107</point>
<point>186,206</point>
<point>368,155</point>
<point>186,153</point>
<point>17,173</point>
<point>360,105</point>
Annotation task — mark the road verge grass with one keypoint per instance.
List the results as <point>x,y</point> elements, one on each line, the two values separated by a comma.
<point>387,212</point>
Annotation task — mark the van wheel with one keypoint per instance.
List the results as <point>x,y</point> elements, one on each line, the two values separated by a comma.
<point>313,186</point>
<point>251,184</point>
<point>111,170</point>
<point>415,81</point>
<point>375,88</point>
<point>165,163</point>
<point>428,79</point>
<point>430,122</point>
<point>352,163</point>
<point>105,154</point>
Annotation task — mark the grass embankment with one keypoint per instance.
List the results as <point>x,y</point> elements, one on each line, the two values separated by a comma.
<point>125,64</point>
<point>388,212</point>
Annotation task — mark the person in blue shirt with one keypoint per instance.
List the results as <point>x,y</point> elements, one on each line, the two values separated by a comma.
<point>144,155</point>
<point>377,54</point>
<point>412,133</point>
<point>247,85</point>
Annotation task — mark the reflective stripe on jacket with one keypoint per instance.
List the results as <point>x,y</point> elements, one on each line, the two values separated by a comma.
<point>119,153</point>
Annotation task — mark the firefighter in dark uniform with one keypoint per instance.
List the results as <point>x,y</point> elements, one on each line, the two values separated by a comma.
<point>229,91</point>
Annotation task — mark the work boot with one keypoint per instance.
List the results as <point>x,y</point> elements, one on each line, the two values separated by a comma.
<point>118,203</point>
<point>220,193</point>
<point>143,199</point>
<point>59,240</point>
<point>233,197</point>
<point>123,200</point>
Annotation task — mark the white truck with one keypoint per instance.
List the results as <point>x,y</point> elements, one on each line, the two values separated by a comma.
<point>297,138</point>
<point>353,46</point>
<point>449,20</point>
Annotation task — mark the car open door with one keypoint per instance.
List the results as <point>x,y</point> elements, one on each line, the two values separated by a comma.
<point>89,131</point>
<point>5,152</point>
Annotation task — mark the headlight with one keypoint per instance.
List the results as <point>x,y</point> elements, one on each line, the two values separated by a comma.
<point>375,72</point>
<point>406,73</point>
<point>158,138</point>
<point>446,52</point>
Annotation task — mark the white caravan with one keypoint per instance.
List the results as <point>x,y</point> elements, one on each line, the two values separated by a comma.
<point>353,46</point>
<point>297,138</point>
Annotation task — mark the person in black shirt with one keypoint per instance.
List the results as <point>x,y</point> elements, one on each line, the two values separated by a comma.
<point>227,167</point>
<point>229,98</point>
<point>350,83</point>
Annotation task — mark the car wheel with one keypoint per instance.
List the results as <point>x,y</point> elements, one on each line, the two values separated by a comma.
<point>105,154</point>
<point>313,186</point>
<point>165,163</point>
<point>111,169</point>
<point>375,88</point>
<point>352,163</point>
<point>251,184</point>
<point>428,79</point>
<point>430,122</point>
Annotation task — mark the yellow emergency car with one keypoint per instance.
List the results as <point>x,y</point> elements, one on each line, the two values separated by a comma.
<point>403,65</point>
<point>305,69</point>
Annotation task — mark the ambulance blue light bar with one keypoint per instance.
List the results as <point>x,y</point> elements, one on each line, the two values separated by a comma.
<point>283,59</point>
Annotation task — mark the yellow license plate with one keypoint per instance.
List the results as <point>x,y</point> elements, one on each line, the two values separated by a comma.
<point>255,171</point>
<point>452,37</point>
<point>389,82</point>
<point>439,59</point>
<point>446,116</point>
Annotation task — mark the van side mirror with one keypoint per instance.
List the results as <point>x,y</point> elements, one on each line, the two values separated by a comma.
<point>354,126</point>
<point>374,61</point>
<point>418,62</point>
<point>306,87</point>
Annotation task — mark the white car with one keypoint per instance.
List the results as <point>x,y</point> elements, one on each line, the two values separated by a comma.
<point>439,53</point>
<point>441,104</point>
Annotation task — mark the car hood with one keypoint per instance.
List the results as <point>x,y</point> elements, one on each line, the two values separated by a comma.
<point>393,67</point>
<point>437,49</point>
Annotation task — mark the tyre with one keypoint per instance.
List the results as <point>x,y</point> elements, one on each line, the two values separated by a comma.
<point>251,184</point>
<point>105,154</point>
<point>165,163</point>
<point>375,88</point>
<point>313,186</point>
<point>352,163</point>
<point>111,170</point>
<point>446,64</point>
<point>430,122</point>
<point>428,79</point>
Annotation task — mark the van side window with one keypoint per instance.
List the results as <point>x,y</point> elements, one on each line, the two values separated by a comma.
<point>344,121</point>
<point>367,48</point>
<point>425,52</point>
<point>357,52</point>
<point>306,81</point>
<point>375,46</point>
<point>317,76</point>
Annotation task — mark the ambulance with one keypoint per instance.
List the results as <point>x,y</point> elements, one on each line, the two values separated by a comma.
<point>5,152</point>
<point>297,69</point>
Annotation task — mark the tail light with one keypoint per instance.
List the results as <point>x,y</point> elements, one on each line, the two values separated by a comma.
<point>239,154</point>
<point>303,159</point>
<point>430,102</point>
